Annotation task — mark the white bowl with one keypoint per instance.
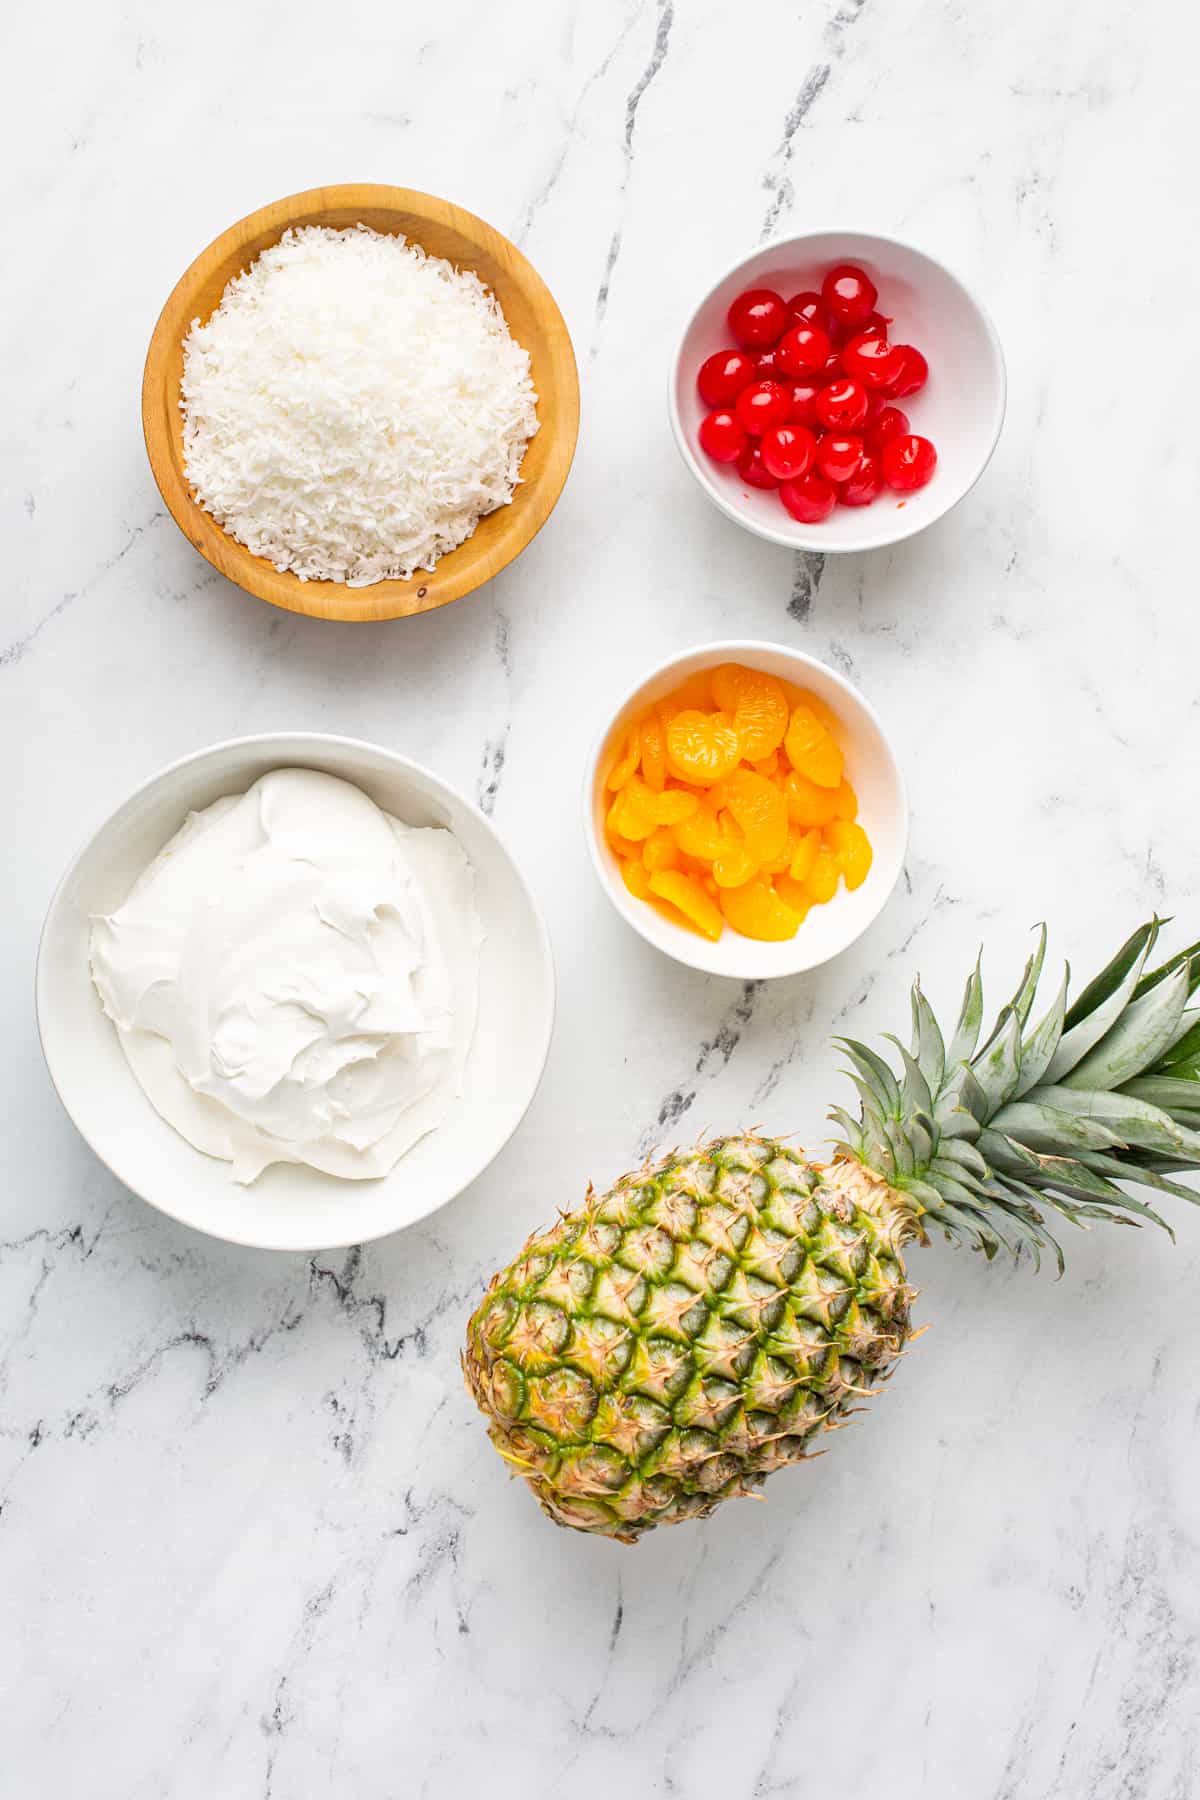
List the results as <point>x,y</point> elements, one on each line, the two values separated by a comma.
<point>293,1208</point>
<point>870,767</point>
<point>961,407</point>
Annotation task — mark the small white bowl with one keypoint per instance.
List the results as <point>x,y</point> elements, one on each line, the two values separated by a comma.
<point>870,767</point>
<point>960,408</point>
<point>293,1208</point>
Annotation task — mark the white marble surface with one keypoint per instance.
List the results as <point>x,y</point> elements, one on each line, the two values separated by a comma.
<point>253,1540</point>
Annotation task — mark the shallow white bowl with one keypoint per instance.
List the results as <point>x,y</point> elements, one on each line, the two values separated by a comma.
<point>293,1208</point>
<point>870,767</point>
<point>960,408</point>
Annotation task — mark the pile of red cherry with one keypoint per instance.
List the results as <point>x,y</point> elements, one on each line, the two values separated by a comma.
<point>806,405</point>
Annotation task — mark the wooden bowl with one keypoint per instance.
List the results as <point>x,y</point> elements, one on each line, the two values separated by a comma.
<point>533,318</point>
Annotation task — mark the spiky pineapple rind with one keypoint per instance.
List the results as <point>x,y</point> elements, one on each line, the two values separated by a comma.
<point>698,1326</point>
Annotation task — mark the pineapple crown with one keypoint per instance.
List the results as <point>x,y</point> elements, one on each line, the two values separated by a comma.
<point>986,1141</point>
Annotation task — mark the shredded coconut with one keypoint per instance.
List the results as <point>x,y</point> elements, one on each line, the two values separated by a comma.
<point>354,407</point>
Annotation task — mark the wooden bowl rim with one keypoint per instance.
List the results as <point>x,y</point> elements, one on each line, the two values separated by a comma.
<point>460,571</point>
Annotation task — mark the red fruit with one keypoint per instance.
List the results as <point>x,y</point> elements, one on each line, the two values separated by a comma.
<point>766,366</point>
<point>872,360</point>
<point>908,462</point>
<point>849,293</point>
<point>721,437</point>
<point>758,318</point>
<point>803,349</point>
<point>865,484</point>
<point>838,456</point>
<point>809,498</point>
<point>913,374</point>
<point>804,395</point>
<point>888,423</point>
<point>752,470</point>
<point>763,404</point>
<point>723,376</point>
<point>787,451</point>
<point>808,308</point>
<point>832,371</point>
<point>842,406</point>
<point>876,323</point>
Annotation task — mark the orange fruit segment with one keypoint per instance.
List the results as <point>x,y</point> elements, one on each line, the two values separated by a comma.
<point>694,694</point>
<point>702,835</point>
<point>627,820</point>
<point>851,848</point>
<point>757,911</point>
<point>807,802</point>
<point>653,752</point>
<point>821,882</point>
<point>734,867</point>
<point>702,747</point>
<point>811,748</point>
<point>729,805</point>
<point>635,878</point>
<point>627,762</point>
<point>757,705</point>
<point>660,851</point>
<point>667,808</point>
<point>797,696</point>
<point>686,893</point>
<point>793,894</point>
<point>805,855</point>
<point>845,802</point>
<point>759,808</point>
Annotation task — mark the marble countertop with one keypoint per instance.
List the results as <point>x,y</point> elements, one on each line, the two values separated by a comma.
<point>253,1539</point>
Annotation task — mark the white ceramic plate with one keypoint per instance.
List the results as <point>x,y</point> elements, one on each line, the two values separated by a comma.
<point>960,408</point>
<point>870,767</point>
<point>290,1208</point>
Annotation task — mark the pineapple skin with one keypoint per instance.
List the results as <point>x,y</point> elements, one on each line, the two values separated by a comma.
<point>674,1341</point>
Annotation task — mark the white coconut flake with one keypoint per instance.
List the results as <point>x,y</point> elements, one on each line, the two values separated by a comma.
<point>354,407</point>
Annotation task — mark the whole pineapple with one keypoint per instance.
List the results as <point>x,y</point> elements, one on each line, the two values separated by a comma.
<point>675,1340</point>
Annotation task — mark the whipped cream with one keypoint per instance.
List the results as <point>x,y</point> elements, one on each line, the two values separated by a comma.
<point>295,978</point>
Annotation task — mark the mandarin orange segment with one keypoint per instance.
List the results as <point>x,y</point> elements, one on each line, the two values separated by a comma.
<point>821,883</point>
<point>627,761</point>
<point>619,845</point>
<point>696,692</point>
<point>760,810</point>
<point>781,864</point>
<point>635,878</point>
<point>845,802</point>
<point>627,820</point>
<point>807,803</point>
<point>660,851</point>
<point>702,747</point>
<point>757,705</point>
<point>805,855</point>
<point>811,748</point>
<point>757,911</point>
<point>702,835</point>
<point>852,848</point>
<point>686,893</point>
<point>798,696</point>
<point>667,808</point>
<point>793,894</point>
<point>734,867</point>
<point>654,752</point>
